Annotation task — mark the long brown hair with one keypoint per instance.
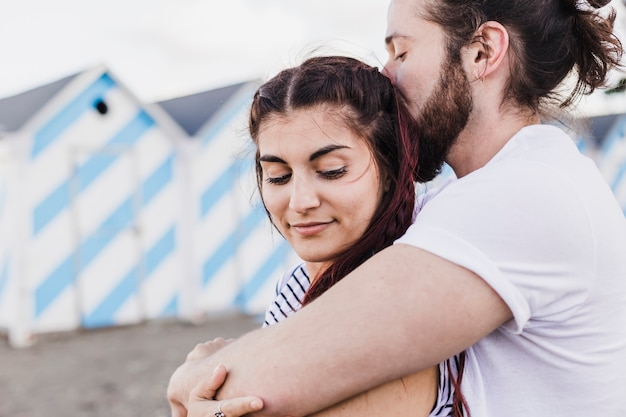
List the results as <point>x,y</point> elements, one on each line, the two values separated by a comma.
<point>368,104</point>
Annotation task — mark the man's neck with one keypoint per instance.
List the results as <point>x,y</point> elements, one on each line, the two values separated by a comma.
<point>482,139</point>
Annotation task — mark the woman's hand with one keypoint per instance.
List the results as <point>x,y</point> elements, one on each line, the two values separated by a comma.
<point>190,374</point>
<point>202,404</point>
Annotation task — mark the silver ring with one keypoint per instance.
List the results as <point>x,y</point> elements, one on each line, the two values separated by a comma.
<point>219,412</point>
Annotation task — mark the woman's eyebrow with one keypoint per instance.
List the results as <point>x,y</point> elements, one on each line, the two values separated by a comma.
<point>317,154</point>
<point>323,151</point>
<point>271,158</point>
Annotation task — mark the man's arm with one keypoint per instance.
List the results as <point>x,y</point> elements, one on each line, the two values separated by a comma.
<point>402,311</point>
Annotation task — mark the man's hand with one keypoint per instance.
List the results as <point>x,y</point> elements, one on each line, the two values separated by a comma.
<point>202,350</point>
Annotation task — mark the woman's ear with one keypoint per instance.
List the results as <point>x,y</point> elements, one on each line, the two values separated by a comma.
<point>486,53</point>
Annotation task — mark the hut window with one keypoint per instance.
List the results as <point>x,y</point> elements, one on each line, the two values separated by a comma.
<point>101,106</point>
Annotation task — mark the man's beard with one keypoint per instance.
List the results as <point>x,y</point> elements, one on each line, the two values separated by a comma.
<point>441,119</point>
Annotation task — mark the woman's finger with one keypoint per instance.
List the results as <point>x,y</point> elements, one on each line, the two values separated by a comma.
<point>236,407</point>
<point>201,401</point>
<point>207,388</point>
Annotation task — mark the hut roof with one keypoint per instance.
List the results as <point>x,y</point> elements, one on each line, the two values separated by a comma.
<point>195,110</point>
<point>16,110</point>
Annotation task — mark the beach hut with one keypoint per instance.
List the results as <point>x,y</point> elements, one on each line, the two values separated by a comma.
<point>235,256</point>
<point>90,208</point>
<point>611,158</point>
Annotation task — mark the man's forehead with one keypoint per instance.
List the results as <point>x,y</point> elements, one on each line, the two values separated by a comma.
<point>410,7</point>
<point>394,36</point>
<point>402,15</point>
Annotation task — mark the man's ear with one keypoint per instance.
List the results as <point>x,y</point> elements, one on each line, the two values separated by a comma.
<point>489,48</point>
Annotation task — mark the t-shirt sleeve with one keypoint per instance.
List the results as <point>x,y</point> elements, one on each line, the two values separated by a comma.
<point>514,230</point>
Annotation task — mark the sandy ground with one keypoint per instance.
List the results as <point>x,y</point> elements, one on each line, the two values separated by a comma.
<point>119,371</point>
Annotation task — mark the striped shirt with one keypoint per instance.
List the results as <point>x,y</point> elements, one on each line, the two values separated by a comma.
<point>290,291</point>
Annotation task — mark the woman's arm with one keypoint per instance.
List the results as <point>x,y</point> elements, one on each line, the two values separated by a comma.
<point>413,396</point>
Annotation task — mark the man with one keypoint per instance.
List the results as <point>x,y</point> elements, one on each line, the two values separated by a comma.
<point>520,262</point>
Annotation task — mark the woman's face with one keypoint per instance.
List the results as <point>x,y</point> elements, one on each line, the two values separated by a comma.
<point>320,183</point>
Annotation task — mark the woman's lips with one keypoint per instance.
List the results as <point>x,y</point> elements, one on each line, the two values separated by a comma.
<point>310,228</point>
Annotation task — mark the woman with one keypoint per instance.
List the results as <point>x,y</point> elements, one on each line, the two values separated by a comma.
<point>335,168</point>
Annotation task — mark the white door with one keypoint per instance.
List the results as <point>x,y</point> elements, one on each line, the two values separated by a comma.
<point>106,201</point>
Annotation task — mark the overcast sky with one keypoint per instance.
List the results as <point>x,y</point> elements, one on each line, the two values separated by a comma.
<point>167,48</point>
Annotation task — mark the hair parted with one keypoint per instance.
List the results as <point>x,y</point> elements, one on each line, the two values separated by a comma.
<point>548,40</point>
<point>367,102</point>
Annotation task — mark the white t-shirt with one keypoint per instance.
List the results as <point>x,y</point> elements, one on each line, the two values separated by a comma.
<point>540,225</point>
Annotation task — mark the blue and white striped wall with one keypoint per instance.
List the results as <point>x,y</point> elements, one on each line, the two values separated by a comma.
<point>15,300</point>
<point>8,296</point>
<point>104,210</point>
<point>612,159</point>
<point>110,219</point>
<point>238,257</point>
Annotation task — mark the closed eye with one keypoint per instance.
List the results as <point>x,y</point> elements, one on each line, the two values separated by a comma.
<point>283,179</point>
<point>333,173</point>
<point>400,57</point>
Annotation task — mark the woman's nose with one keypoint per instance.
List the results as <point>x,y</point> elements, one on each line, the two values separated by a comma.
<point>304,196</point>
<point>389,72</point>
